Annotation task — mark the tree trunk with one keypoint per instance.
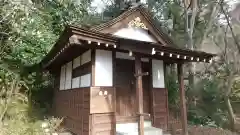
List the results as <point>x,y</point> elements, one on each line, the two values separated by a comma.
<point>189,28</point>
<point>231,115</point>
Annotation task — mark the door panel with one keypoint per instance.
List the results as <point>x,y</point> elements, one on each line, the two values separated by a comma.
<point>126,88</point>
<point>160,108</point>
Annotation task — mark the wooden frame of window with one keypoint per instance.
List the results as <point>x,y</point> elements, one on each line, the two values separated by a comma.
<point>82,70</point>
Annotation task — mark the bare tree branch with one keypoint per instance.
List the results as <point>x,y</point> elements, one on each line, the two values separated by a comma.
<point>210,22</point>
<point>229,25</point>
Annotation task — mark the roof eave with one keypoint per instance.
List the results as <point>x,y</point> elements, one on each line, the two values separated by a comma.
<point>83,35</point>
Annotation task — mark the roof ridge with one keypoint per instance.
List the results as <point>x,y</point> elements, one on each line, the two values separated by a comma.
<point>114,20</point>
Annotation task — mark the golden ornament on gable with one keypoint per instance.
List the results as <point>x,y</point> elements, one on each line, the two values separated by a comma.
<point>137,23</point>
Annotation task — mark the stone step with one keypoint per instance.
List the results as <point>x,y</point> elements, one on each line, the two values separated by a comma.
<point>152,131</point>
<point>132,129</point>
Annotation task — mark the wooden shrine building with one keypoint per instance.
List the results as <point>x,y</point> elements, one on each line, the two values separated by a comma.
<point>109,79</point>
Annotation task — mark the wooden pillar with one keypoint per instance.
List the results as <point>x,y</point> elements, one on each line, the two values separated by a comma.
<point>139,94</point>
<point>182,99</point>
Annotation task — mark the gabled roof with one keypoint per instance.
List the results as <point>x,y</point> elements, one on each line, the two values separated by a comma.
<point>102,37</point>
<point>130,14</point>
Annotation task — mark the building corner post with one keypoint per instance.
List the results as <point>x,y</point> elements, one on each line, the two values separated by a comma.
<point>182,99</point>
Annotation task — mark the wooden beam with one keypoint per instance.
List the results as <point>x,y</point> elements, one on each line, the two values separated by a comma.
<point>139,94</point>
<point>182,100</point>
<point>142,74</point>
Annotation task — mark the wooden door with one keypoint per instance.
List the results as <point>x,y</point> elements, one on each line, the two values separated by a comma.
<point>160,108</point>
<point>125,88</point>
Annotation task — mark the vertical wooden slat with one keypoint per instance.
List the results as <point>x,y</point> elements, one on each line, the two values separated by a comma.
<point>139,94</point>
<point>91,124</point>
<point>81,96</point>
<point>93,59</point>
<point>182,99</point>
<point>151,91</point>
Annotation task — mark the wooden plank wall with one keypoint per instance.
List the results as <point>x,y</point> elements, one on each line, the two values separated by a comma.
<point>160,108</point>
<point>103,124</point>
<point>74,106</point>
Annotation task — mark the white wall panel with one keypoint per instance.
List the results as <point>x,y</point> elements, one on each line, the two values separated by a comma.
<point>85,80</point>
<point>68,84</point>
<point>62,77</point>
<point>86,57</point>
<point>158,74</point>
<point>77,62</point>
<point>76,82</point>
<point>135,33</point>
<point>103,68</point>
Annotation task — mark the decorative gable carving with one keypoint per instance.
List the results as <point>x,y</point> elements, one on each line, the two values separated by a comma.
<point>137,23</point>
<point>135,17</point>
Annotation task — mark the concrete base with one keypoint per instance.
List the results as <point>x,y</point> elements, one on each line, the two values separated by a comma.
<point>132,129</point>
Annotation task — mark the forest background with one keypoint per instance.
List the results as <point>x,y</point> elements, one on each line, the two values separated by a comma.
<point>29,28</point>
